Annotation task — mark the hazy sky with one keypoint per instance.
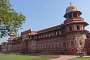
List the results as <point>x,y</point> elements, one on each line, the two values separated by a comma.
<point>42,14</point>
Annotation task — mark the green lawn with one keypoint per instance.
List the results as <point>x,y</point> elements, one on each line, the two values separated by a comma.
<point>22,57</point>
<point>81,58</point>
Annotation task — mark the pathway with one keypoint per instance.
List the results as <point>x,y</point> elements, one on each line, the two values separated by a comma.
<point>64,57</point>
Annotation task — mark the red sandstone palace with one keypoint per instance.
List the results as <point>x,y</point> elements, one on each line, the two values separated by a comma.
<point>67,38</point>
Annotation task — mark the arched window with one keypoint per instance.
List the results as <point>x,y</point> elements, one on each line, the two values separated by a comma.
<point>75,14</point>
<point>78,27</point>
<point>70,15</point>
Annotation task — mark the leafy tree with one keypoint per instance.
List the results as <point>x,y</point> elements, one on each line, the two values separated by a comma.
<point>10,20</point>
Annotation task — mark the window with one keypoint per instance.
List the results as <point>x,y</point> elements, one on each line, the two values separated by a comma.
<point>75,15</point>
<point>59,32</point>
<point>64,45</point>
<point>56,33</point>
<point>49,35</point>
<point>72,43</point>
<point>70,15</point>
<point>81,42</point>
<point>78,27</point>
<point>70,28</point>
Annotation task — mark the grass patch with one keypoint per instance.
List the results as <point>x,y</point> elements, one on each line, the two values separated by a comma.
<point>22,57</point>
<point>81,58</point>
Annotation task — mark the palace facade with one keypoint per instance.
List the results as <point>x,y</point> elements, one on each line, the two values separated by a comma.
<point>70,37</point>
